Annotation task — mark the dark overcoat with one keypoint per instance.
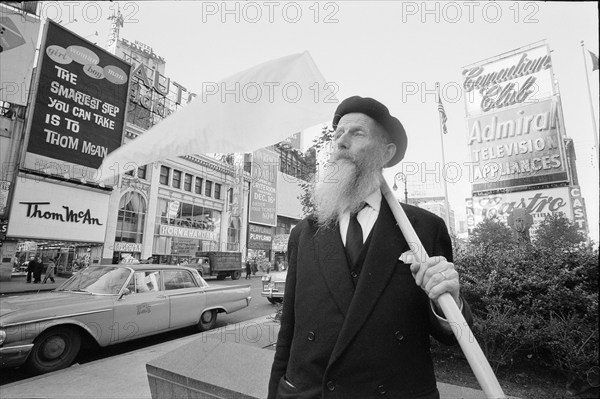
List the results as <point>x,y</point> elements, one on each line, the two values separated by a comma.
<point>338,340</point>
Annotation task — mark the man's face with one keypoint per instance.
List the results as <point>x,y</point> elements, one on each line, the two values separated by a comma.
<point>358,136</point>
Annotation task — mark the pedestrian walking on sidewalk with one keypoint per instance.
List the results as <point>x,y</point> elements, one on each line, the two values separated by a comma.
<point>357,312</point>
<point>50,271</point>
<point>248,269</point>
<point>30,268</point>
<point>37,270</point>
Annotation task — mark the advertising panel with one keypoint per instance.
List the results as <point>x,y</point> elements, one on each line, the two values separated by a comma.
<point>152,96</point>
<point>260,237</point>
<point>18,39</point>
<point>4,193</point>
<point>521,76</point>
<point>79,110</point>
<point>294,141</point>
<point>263,188</point>
<point>184,232</point>
<point>43,210</point>
<point>538,203</point>
<point>579,212</point>
<point>518,146</point>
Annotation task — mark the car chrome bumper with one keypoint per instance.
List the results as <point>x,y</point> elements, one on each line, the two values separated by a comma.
<point>13,356</point>
<point>272,294</point>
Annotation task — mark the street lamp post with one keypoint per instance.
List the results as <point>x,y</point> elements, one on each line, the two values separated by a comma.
<point>401,176</point>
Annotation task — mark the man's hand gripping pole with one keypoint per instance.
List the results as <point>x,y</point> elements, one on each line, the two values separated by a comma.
<point>477,360</point>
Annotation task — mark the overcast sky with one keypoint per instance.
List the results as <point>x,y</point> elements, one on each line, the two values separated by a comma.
<point>392,51</point>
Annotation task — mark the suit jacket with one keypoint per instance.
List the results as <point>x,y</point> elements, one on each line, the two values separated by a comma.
<point>339,341</point>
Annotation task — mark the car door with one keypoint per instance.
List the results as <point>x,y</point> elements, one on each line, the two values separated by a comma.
<point>143,310</point>
<point>187,300</point>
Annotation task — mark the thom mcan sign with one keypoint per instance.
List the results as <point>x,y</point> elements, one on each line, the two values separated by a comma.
<point>50,211</point>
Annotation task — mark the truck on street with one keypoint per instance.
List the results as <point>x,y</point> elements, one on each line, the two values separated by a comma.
<point>218,264</point>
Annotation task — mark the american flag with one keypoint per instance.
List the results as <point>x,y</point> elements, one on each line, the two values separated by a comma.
<point>443,116</point>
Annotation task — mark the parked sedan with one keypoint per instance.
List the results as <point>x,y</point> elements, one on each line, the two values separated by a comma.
<point>108,305</point>
<point>274,286</point>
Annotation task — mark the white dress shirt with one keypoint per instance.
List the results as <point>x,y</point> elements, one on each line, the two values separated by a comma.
<point>366,217</point>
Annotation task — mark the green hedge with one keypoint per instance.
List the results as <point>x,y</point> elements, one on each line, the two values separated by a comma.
<point>533,304</point>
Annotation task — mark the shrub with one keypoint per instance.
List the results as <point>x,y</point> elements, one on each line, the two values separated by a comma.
<point>534,303</point>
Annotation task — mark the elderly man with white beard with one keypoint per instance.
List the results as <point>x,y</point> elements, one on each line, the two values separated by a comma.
<point>356,319</point>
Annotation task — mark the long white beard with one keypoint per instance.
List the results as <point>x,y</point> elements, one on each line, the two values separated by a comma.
<point>347,181</point>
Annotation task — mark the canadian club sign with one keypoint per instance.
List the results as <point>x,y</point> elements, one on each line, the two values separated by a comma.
<point>44,210</point>
<point>522,76</point>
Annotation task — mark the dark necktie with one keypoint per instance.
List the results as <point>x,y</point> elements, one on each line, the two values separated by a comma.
<point>354,238</point>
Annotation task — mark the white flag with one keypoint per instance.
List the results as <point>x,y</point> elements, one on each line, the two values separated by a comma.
<point>247,111</point>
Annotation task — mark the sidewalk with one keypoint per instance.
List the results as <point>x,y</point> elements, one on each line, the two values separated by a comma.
<point>125,376</point>
<point>18,284</point>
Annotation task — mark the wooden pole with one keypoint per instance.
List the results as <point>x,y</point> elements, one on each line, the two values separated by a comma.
<point>477,360</point>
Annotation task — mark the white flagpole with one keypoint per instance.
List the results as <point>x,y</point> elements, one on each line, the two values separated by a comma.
<point>595,130</point>
<point>447,205</point>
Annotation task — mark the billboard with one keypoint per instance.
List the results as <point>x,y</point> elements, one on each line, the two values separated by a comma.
<point>538,203</point>
<point>517,147</point>
<point>43,210</point>
<point>18,38</point>
<point>260,237</point>
<point>79,109</point>
<point>517,77</point>
<point>579,212</point>
<point>263,188</point>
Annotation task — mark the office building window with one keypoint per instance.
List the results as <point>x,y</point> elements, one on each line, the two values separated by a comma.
<point>176,179</point>
<point>142,172</point>
<point>130,219</point>
<point>217,191</point>
<point>208,188</point>
<point>187,182</point>
<point>198,186</point>
<point>164,175</point>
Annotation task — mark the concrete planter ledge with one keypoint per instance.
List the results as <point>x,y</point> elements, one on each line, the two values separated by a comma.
<point>234,362</point>
<point>230,362</point>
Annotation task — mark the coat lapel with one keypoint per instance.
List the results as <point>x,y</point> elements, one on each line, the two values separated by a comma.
<point>387,244</point>
<point>333,265</point>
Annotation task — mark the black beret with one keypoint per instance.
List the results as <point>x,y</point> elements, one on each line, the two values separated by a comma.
<point>379,113</point>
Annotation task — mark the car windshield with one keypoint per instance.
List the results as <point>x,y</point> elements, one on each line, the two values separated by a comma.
<point>97,280</point>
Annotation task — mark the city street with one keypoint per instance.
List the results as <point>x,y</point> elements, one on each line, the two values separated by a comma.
<point>259,306</point>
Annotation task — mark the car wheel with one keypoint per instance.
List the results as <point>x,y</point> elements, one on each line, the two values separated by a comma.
<point>207,320</point>
<point>275,300</point>
<point>236,275</point>
<point>54,349</point>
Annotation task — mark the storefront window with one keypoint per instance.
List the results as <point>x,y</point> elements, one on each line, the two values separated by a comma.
<point>130,221</point>
<point>192,216</point>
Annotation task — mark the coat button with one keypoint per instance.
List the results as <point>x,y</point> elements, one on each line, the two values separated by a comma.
<point>311,336</point>
<point>381,389</point>
<point>330,386</point>
<point>399,336</point>
<point>354,274</point>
